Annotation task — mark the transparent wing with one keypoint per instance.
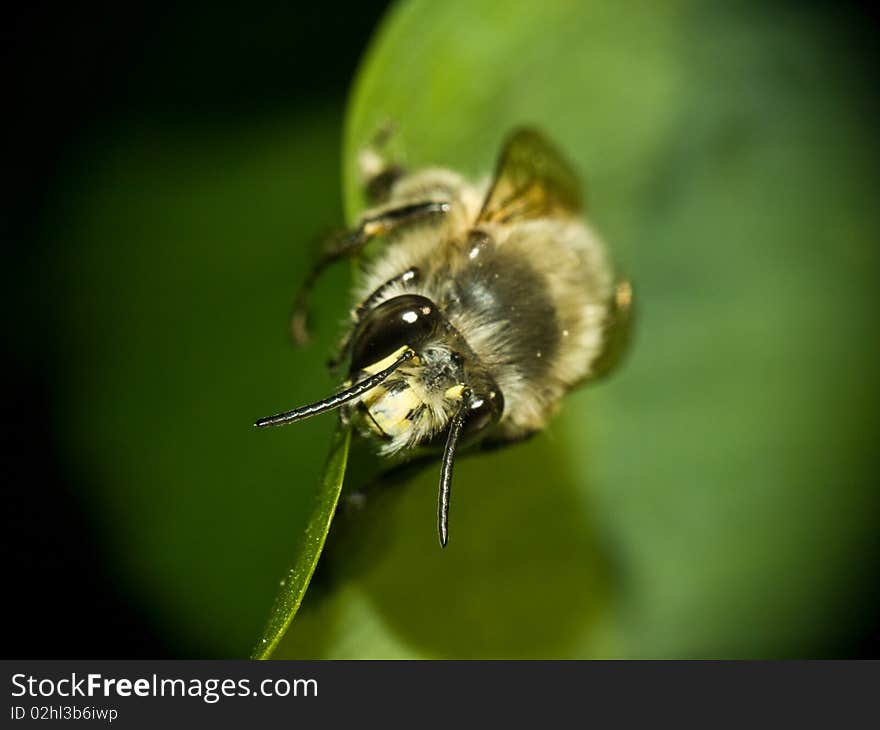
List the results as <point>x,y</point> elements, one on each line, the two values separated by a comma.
<point>532,180</point>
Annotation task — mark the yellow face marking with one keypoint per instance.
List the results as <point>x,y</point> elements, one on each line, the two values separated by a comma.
<point>375,367</point>
<point>454,393</point>
<point>389,411</point>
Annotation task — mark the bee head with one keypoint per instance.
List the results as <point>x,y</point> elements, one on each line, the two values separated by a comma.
<point>444,362</point>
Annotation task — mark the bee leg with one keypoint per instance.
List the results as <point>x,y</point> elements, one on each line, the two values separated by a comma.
<point>617,330</point>
<point>377,173</point>
<point>350,244</point>
<point>411,274</point>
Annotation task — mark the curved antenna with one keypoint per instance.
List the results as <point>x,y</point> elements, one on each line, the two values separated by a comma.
<point>336,400</point>
<point>447,464</point>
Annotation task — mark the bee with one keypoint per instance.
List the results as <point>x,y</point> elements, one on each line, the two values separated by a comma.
<point>487,303</point>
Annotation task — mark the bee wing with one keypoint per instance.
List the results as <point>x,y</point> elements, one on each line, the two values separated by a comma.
<point>532,180</point>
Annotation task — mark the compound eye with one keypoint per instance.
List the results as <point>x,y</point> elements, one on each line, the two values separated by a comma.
<point>483,412</point>
<point>409,320</point>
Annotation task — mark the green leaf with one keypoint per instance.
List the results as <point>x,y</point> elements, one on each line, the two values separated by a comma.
<point>294,585</point>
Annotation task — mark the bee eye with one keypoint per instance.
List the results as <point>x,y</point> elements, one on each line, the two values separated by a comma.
<point>484,410</point>
<point>408,320</point>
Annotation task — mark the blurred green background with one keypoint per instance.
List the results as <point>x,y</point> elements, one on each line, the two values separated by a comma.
<point>716,498</point>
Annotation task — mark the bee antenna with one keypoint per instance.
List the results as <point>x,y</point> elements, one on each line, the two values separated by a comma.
<point>336,400</point>
<point>447,464</point>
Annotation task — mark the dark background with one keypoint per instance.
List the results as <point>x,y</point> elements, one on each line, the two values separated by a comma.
<point>68,73</point>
